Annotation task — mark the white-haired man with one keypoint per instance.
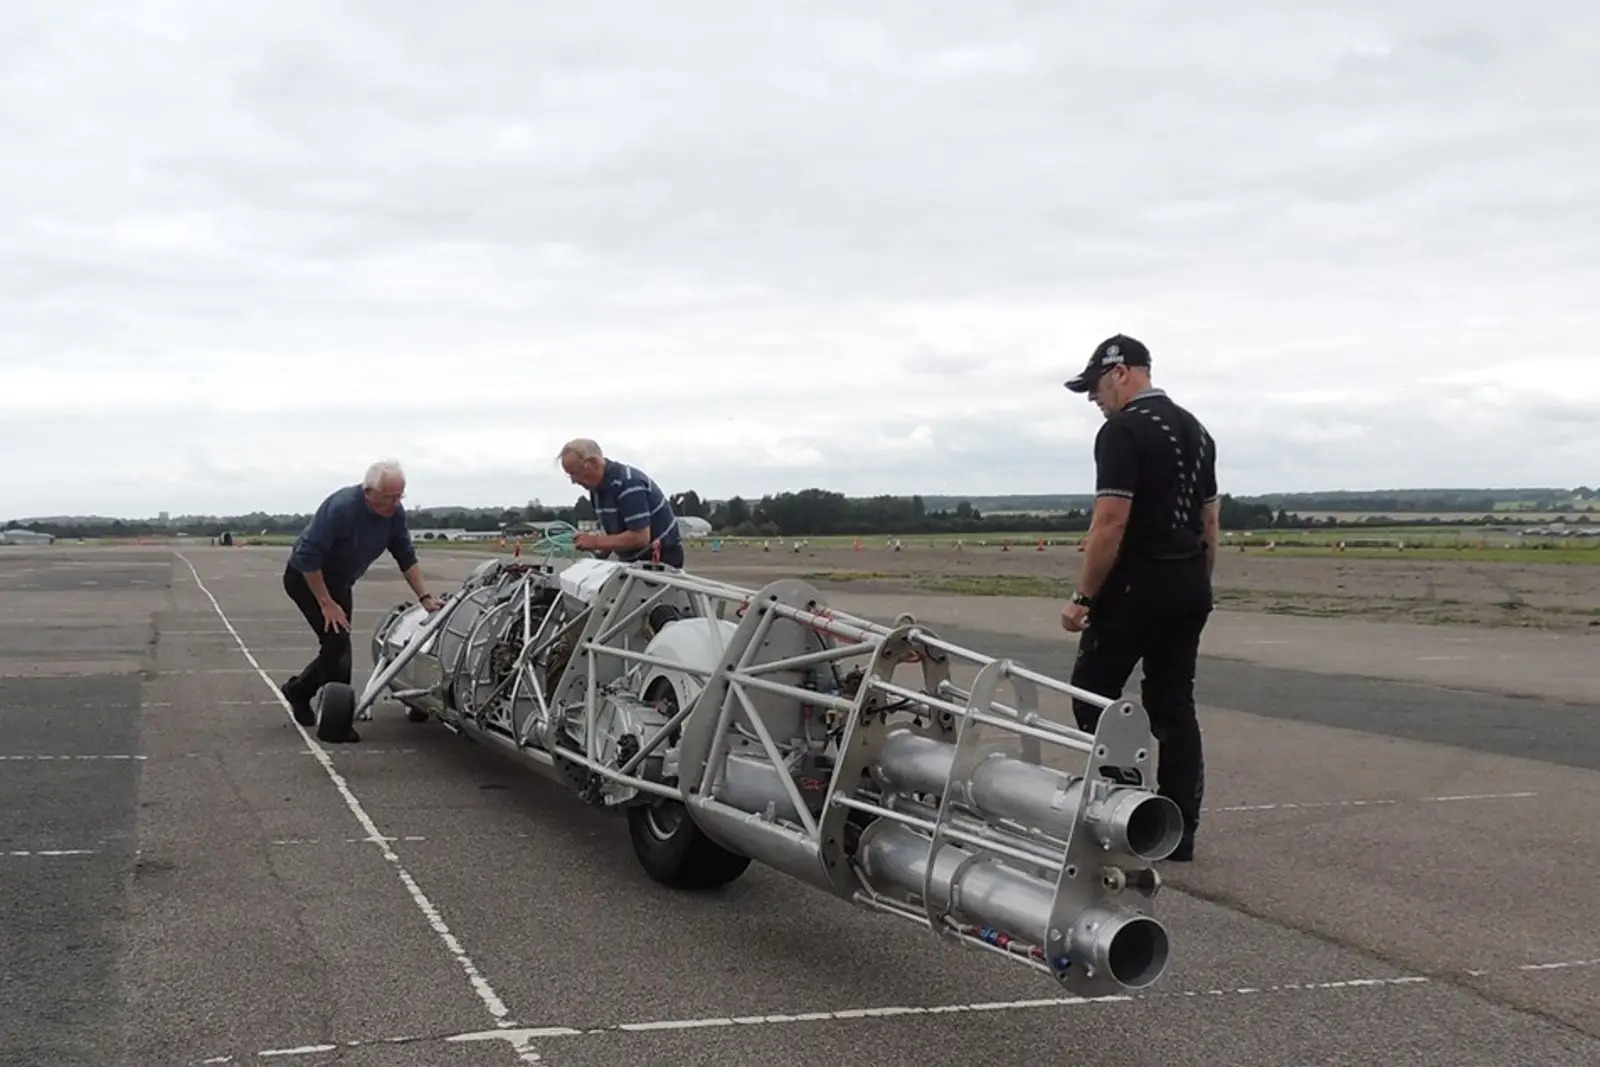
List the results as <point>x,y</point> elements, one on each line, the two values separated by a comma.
<point>352,527</point>
<point>636,518</point>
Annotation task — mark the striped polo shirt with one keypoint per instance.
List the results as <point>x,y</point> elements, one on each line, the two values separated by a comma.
<point>627,499</point>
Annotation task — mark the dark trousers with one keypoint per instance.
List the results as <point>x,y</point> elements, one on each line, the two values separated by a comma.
<point>1156,616</point>
<point>333,660</point>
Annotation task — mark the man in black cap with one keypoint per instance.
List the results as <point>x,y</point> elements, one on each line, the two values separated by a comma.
<point>1144,588</point>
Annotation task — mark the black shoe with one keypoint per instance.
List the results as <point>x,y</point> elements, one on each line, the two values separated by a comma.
<point>299,704</point>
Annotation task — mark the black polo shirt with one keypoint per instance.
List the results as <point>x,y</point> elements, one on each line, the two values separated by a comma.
<point>1158,455</point>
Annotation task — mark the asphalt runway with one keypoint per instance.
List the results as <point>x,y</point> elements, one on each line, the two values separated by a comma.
<point>1388,872</point>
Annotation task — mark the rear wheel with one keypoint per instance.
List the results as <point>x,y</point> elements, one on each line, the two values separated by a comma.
<point>677,853</point>
<point>671,848</point>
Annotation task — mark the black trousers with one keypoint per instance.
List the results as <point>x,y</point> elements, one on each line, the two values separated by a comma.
<point>333,659</point>
<point>1156,615</point>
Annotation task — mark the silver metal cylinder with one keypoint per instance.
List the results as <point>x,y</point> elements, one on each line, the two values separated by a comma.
<point>1140,823</point>
<point>1135,821</point>
<point>1130,947</point>
<point>893,856</point>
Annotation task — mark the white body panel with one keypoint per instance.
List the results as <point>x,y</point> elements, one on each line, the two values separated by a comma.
<point>585,578</point>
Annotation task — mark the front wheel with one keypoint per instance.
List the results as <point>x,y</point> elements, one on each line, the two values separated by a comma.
<point>336,713</point>
<point>677,853</point>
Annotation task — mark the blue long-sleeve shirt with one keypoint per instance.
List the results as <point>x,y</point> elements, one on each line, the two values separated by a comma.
<point>346,535</point>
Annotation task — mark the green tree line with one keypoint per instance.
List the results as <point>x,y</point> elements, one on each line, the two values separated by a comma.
<point>806,513</point>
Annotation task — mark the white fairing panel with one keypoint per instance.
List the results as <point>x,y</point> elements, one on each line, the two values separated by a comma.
<point>406,627</point>
<point>696,643</point>
<point>584,579</point>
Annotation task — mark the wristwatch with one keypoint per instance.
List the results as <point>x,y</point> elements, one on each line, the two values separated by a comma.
<point>1079,598</point>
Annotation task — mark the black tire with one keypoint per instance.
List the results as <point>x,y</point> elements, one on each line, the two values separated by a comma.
<point>675,852</point>
<point>336,713</point>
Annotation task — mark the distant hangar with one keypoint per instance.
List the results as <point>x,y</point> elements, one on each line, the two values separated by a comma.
<point>18,536</point>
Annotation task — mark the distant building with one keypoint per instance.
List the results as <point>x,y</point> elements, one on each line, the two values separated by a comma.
<point>19,536</point>
<point>521,529</point>
<point>436,534</point>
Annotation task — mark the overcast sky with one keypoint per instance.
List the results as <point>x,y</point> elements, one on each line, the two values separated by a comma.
<point>248,247</point>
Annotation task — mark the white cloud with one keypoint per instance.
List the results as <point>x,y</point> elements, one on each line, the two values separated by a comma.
<point>248,247</point>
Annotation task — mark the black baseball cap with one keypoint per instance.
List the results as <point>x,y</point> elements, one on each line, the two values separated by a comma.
<point>1120,349</point>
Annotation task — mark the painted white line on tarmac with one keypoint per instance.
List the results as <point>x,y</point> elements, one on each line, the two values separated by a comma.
<point>518,1036</point>
<point>1529,968</point>
<point>224,633</point>
<point>1375,803</point>
<point>284,620</point>
<point>51,852</point>
<point>297,753</point>
<point>67,758</point>
<point>486,993</point>
<point>284,842</point>
<point>308,649</point>
<point>360,752</point>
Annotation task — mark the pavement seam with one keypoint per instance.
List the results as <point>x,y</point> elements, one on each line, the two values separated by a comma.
<point>1458,979</point>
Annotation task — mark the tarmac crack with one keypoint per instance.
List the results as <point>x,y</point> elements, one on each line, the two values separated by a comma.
<point>297,904</point>
<point>1460,979</point>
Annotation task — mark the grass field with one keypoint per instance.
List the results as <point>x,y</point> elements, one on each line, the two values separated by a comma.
<point>1476,545</point>
<point>1523,587</point>
<point>1488,545</point>
<point>1470,577</point>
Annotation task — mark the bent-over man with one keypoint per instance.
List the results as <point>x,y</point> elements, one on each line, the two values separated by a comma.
<point>352,527</point>
<point>635,515</point>
<point>1144,588</point>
